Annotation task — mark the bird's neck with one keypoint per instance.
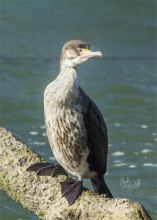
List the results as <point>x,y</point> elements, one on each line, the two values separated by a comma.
<point>67,84</point>
<point>68,76</point>
<point>66,66</point>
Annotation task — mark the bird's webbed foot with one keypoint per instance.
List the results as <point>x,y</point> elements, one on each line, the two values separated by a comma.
<point>47,169</point>
<point>71,189</point>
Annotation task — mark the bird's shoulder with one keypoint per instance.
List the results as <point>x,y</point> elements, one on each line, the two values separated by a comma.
<point>91,111</point>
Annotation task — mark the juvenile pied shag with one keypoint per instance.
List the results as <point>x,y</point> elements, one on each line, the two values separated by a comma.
<point>75,127</point>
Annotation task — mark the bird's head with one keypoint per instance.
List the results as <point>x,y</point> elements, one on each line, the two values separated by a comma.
<point>75,52</point>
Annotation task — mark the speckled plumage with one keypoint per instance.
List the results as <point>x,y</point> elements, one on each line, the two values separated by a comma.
<point>64,124</point>
<point>75,127</point>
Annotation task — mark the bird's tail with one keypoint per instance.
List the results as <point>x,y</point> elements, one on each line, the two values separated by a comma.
<point>100,187</point>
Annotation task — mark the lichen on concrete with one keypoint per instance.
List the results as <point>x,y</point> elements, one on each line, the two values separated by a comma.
<point>42,195</point>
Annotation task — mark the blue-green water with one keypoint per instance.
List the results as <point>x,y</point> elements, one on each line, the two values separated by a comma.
<point>123,83</point>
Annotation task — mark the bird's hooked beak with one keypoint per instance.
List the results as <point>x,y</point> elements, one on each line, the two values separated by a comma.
<point>86,54</point>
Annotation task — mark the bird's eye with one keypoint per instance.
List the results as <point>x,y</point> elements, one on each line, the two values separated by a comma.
<point>80,49</point>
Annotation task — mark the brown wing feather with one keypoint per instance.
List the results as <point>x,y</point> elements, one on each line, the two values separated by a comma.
<point>97,134</point>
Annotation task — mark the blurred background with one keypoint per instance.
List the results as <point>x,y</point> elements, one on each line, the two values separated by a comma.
<point>123,83</point>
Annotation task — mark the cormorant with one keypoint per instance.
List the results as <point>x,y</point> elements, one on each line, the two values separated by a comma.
<point>75,127</point>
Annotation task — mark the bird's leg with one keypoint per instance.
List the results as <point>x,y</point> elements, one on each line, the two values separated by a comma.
<point>71,189</point>
<point>47,169</point>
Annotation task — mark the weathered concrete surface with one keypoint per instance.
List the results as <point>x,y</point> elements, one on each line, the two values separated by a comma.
<point>42,195</point>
